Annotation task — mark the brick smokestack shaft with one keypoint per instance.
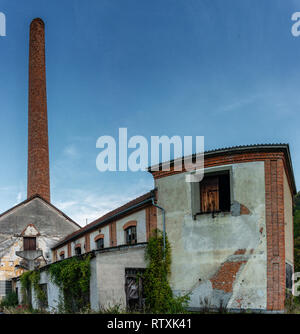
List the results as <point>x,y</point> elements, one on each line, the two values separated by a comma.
<point>38,179</point>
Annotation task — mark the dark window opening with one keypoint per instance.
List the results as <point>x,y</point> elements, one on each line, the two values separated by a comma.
<point>130,234</point>
<point>62,256</point>
<point>215,193</point>
<point>288,276</point>
<point>78,250</point>
<point>29,243</point>
<point>135,297</point>
<point>100,243</point>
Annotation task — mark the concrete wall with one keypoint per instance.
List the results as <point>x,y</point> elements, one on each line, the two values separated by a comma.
<point>108,275</point>
<point>221,259</point>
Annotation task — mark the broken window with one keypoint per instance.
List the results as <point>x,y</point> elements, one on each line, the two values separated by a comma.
<point>135,299</point>
<point>215,193</point>
<point>78,250</point>
<point>29,243</point>
<point>130,235</point>
<point>100,243</point>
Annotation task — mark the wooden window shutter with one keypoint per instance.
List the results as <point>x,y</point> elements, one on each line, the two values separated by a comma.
<point>209,192</point>
<point>29,243</point>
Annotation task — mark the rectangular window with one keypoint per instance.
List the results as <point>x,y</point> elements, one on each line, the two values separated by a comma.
<point>29,243</point>
<point>215,193</point>
<point>78,250</point>
<point>130,234</point>
<point>100,243</point>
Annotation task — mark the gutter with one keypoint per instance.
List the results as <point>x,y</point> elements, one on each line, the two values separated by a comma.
<point>164,224</point>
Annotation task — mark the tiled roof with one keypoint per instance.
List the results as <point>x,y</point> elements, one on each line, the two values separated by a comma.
<point>41,198</point>
<point>139,201</point>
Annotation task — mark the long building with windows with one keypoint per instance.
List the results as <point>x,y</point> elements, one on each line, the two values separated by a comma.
<point>231,233</point>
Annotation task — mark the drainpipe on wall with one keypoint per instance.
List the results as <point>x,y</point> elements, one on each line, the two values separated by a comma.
<point>164,224</point>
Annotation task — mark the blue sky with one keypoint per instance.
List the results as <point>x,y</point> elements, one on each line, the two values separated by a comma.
<point>227,70</point>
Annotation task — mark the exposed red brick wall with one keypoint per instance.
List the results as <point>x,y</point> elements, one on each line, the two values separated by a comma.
<point>54,255</point>
<point>69,250</point>
<point>275,234</point>
<point>130,223</point>
<point>87,242</point>
<point>113,234</point>
<point>38,180</point>
<point>226,275</point>
<point>151,220</point>
<point>99,236</point>
<point>275,166</point>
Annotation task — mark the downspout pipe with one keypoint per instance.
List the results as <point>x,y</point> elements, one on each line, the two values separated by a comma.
<point>164,224</point>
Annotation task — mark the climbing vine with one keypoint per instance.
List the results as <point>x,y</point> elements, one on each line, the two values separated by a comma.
<point>159,295</point>
<point>28,280</point>
<point>73,277</point>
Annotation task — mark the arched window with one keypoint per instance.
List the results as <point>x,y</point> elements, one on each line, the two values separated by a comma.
<point>130,235</point>
<point>130,232</point>
<point>78,249</point>
<point>62,255</point>
<point>99,241</point>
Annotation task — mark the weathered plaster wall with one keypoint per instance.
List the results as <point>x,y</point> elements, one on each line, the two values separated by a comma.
<point>108,275</point>
<point>140,217</point>
<point>51,227</point>
<point>222,259</point>
<point>288,221</point>
<point>105,232</point>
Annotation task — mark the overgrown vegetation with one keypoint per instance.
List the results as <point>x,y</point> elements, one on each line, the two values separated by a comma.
<point>297,233</point>
<point>73,277</point>
<point>158,293</point>
<point>10,300</point>
<point>31,279</point>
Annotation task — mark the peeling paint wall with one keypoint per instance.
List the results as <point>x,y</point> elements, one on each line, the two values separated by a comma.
<point>34,218</point>
<point>231,247</point>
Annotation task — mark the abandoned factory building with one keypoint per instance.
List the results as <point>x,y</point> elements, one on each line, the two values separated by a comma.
<point>231,234</point>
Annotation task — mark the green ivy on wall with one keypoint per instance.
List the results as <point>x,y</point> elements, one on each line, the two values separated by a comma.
<point>159,295</point>
<point>28,280</point>
<point>73,277</point>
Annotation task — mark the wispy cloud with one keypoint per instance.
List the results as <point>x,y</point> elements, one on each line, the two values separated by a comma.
<point>239,103</point>
<point>82,205</point>
<point>71,151</point>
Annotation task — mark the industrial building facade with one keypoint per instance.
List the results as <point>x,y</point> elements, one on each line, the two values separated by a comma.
<point>231,234</point>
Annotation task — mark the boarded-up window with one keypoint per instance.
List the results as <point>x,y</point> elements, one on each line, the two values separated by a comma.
<point>209,192</point>
<point>29,243</point>
<point>215,193</point>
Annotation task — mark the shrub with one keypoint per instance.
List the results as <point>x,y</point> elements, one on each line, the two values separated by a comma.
<point>9,300</point>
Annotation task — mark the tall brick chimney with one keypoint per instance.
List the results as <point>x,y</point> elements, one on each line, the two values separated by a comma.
<point>38,179</point>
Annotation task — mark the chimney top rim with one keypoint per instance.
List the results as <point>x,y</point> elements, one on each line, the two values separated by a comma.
<point>37,20</point>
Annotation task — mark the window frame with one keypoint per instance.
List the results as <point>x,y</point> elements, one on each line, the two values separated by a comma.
<point>27,243</point>
<point>126,231</point>
<point>196,193</point>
